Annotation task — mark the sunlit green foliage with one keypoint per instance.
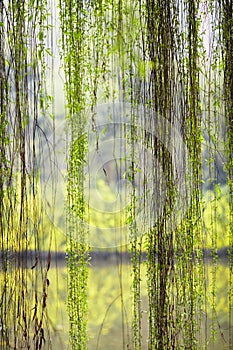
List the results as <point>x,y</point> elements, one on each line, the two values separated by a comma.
<point>165,66</point>
<point>73,25</point>
<point>24,54</point>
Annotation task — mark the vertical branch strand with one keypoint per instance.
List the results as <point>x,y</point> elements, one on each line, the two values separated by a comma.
<point>73,18</point>
<point>227,33</point>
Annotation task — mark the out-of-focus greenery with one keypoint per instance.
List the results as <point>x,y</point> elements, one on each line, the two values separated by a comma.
<point>107,216</point>
<point>107,220</point>
<point>103,222</point>
<point>216,218</point>
<point>40,231</point>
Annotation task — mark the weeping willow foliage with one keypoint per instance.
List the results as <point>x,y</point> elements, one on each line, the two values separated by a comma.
<point>173,286</point>
<point>73,23</point>
<point>149,103</point>
<point>227,33</point>
<point>24,115</point>
<point>150,56</point>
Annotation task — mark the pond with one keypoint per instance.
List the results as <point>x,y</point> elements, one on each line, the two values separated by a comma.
<point>109,307</point>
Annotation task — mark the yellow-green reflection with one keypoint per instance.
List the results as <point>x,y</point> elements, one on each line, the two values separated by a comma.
<point>110,306</point>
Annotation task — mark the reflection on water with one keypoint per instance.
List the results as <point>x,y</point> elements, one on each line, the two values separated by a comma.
<point>110,311</point>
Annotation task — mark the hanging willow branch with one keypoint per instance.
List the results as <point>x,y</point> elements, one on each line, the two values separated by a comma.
<point>23,29</point>
<point>146,61</point>
<point>227,33</point>
<point>147,56</point>
<point>73,17</point>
